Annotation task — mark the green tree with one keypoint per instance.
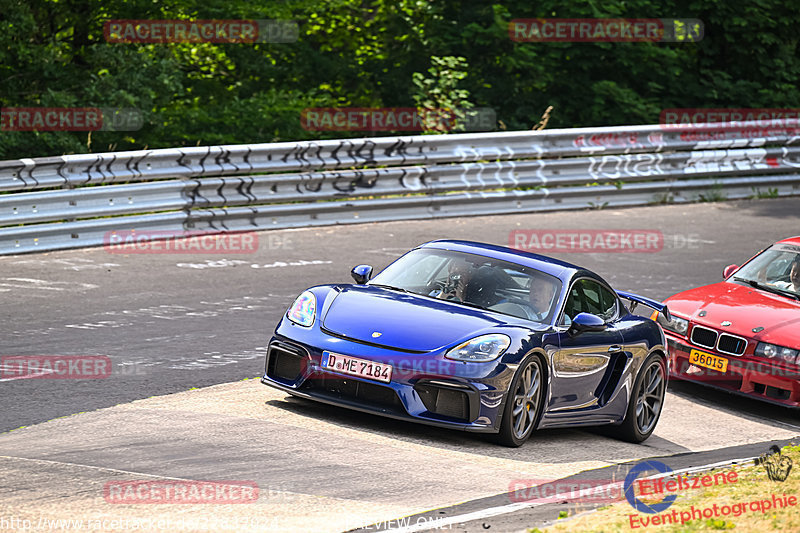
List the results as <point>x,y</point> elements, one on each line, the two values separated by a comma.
<point>442,104</point>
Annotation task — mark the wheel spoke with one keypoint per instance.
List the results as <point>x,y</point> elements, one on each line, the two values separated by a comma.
<point>651,395</point>
<point>655,381</point>
<point>519,406</point>
<point>527,380</point>
<point>533,391</point>
<point>526,400</point>
<point>520,423</point>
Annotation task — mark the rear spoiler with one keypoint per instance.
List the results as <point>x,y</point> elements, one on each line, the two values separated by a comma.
<point>653,304</point>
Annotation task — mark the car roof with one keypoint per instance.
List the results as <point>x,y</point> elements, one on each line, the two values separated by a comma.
<point>554,267</point>
<point>790,240</point>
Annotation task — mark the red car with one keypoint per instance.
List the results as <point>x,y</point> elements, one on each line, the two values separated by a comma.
<point>742,335</point>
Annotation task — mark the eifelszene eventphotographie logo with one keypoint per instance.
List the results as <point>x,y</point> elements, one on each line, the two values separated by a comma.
<point>776,465</point>
<point>638,504</point>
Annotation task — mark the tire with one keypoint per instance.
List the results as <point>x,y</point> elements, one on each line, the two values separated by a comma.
<point>523,403</point>
<point>646,403</point>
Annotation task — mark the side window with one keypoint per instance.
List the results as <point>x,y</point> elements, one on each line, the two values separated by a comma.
<point>592,297</point>
<point>608,301</point>
<point>573,306</point>
<point>587,296</point>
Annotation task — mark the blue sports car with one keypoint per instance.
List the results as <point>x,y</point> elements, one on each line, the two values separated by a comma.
<point>476,337</point>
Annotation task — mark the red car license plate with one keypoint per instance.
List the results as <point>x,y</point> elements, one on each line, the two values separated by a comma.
<point>354,366</point>
<point>696,357</point>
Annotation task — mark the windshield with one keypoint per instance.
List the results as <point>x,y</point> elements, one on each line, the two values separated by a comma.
<point>775,268</point>
<point>476,281</point>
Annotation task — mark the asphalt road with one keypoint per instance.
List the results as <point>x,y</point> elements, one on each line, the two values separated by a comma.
<point>320,468</point>
<point>170,323</point>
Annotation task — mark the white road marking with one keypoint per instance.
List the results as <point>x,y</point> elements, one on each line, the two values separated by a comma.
<point>40,284</point>
<point>76,263</point>
<point>91,467</point>
<point>4,369</point>
<point>441,523</point>
<point>221,263</point>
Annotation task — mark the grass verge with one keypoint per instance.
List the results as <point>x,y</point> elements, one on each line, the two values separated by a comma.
<point>749,500</point>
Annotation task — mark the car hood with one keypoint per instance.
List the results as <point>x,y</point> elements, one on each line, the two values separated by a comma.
<point>404,321</point>
<point>745,307</point>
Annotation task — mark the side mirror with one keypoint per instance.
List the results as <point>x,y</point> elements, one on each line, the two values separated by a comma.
<point>587,322</point>
<point>361,273</point>
<point>730,269</point>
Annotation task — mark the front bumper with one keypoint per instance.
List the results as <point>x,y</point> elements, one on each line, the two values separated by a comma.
<point>745,375</point>
<point>425,388</point>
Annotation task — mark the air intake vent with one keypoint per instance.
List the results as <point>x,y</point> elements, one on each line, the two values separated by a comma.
<point>731,344</point>
<point>704,337</point>
<point>445,400</point>
<point>285,362</point>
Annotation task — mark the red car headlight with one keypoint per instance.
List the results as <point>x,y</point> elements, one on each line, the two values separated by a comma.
<point>676,325</point>
<point>773,351</point>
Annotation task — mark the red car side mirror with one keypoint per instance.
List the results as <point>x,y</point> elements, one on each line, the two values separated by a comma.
<point>730,269</point>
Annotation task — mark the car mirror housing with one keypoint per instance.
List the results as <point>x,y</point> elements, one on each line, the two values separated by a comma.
<point>361,273</point>
<point>729,270</point>
<point>587,322</point>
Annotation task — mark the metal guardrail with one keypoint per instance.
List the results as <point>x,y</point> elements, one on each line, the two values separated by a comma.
<point>77,200</point>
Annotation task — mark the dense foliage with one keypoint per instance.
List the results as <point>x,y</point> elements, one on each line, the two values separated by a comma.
<point>365,53</point>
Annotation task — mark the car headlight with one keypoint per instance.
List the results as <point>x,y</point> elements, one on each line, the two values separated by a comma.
<point>481,349</point>
<point>676,325</point>
<point>773,351</point>
<point>303,309</point>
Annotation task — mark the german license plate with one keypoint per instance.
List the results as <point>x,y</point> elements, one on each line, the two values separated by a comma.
<point>696,357</point>
<point>356,367</point>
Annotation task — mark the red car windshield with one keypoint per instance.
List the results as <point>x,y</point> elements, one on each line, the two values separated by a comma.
<point>776,268</point>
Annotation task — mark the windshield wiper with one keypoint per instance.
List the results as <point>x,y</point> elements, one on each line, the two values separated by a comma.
<point>468,304</point>
<point>768,288</point>
<point>390,287</point>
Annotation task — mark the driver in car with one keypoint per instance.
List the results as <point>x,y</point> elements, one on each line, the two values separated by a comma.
<point>540,298</point>
<point>794,278</point>
<point>459,273</point>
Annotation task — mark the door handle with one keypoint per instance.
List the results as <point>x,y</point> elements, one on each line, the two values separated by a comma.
<point>614,348</point>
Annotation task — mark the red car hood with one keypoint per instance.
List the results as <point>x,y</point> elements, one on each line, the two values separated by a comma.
<point>746,308</point>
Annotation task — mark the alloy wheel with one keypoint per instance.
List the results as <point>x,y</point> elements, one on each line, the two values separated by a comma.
<point>526,398</point>
<point>651,397</point>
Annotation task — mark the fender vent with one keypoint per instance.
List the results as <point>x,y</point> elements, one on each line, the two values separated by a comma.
<point>611,379</point>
